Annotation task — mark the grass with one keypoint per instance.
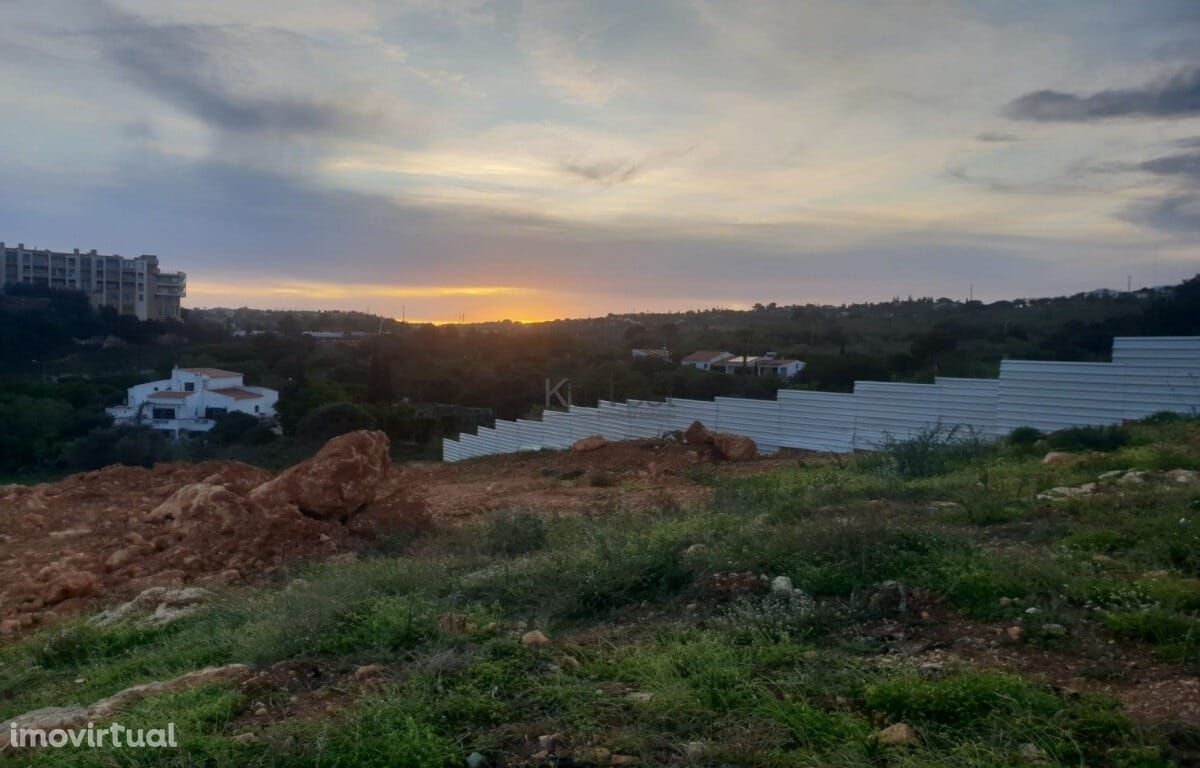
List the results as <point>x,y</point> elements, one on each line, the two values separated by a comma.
<point>647,663</point>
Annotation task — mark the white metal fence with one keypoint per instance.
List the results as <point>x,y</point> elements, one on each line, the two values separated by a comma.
<point>1146,375</point>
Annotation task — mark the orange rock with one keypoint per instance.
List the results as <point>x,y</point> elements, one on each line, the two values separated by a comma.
<point>338,481</point>
<point>589,443</point>
<point>697,434</point>
<point>735,447</point>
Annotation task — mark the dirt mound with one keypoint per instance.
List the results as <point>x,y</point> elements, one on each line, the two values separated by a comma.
<point>102,537</point>
<point>112,533</point>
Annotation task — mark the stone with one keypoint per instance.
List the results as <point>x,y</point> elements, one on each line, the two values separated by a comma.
<point>341,479</point>
<point>782,584</point>
<point>203,510</point>
<point>549,741</point>
<point>589,443</point>
<point>735,447</point>
<point>368,671</point>
<point>640,697</point>
<point>1112,474</point>
<point>534,639</point>
<point>68,585</point>
<point>1054,630</point>
<point>1133,477</point>
<point>889,598</point>
<point>476,760</point>
<point>1182,476</point>
<point>1057,457</point>
<point>694,549</point>
<point>244,738</point>
<point>697,434</point>
<point>1015,633</point>
<point>1031,753</point>
<point>694,750</point>
<point>623,760</point>
<point>897,735</point>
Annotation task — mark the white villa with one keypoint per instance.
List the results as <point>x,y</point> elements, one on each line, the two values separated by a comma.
<point>191,399</point>
<point>769,364</point>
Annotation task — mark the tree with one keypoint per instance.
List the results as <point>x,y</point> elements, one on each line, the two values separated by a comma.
<point>332,420</point>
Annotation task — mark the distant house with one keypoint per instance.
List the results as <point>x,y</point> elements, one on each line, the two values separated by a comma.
<point>705,359</point>
<point>191,399</point>
<point>760,365</point>
<point>663,354</point>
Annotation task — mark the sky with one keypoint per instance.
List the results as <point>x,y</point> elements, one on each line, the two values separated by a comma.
<point>537,159</point>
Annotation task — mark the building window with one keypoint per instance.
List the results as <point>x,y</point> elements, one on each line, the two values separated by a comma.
<point>189,387</point>
<point>164,413</point>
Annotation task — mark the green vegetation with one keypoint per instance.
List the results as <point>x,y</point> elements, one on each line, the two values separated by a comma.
<point>62,363</point>
<point>649,661</point>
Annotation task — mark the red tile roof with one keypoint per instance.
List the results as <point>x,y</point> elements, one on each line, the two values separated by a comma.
<point>237,393</point>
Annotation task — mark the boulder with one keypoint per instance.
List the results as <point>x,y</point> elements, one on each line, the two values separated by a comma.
<point>697,434</point>
<point>589,443</point>
<point>203,509</point>
<point>534,639</point>
<point>338,481</point>
<point>896,735</point>
<point>68,585</point>
<point>735,447</point>
<point>1183,476</point>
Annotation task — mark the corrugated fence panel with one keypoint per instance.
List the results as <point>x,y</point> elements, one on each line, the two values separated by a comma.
<point>816,421</point>
<point>968,405</point>
<point>1147,375</point>
<point>1051,395</point>
<point>896,411</point>
<point>684,412</point>
<point>756,419</point>
<point>530,434</point>
<point>1161,374</point>
<point>556,430</point>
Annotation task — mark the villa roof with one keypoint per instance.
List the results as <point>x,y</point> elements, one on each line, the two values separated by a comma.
<point>170,395</point>
<point>705,356</point>
<point>236,393</point>
<point>212,373</point>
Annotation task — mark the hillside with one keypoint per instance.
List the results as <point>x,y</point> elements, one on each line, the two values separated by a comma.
<point>642,605</point>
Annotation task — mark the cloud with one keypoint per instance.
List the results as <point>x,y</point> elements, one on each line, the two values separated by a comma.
<point>997,137</point>
<point>605,172</point>
<point>190,67</point>
<point>1176,96</point>
<point>1187,166</point>
<point>1178,214</point>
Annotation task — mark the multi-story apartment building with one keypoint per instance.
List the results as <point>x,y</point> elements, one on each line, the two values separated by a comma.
<point>130,286</point>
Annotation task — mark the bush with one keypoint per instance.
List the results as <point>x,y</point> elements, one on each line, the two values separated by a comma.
<point>932,451</point>
<point>133,446</point>
<point>332,420</point>
<point>1024,437</point>
<point>511,534</point>
<point>1103,439</point>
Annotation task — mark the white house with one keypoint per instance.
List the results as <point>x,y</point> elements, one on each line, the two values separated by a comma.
<point>705,359</point>
<point>760,365</point>
<point>191,399</point>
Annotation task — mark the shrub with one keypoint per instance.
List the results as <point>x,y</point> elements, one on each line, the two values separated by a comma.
<point>1024,437</point>
<point>933,451</point>
<point>133,446</point>
<point>1105,439</point>
<point>518,533</point>
<point>601,480</point>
